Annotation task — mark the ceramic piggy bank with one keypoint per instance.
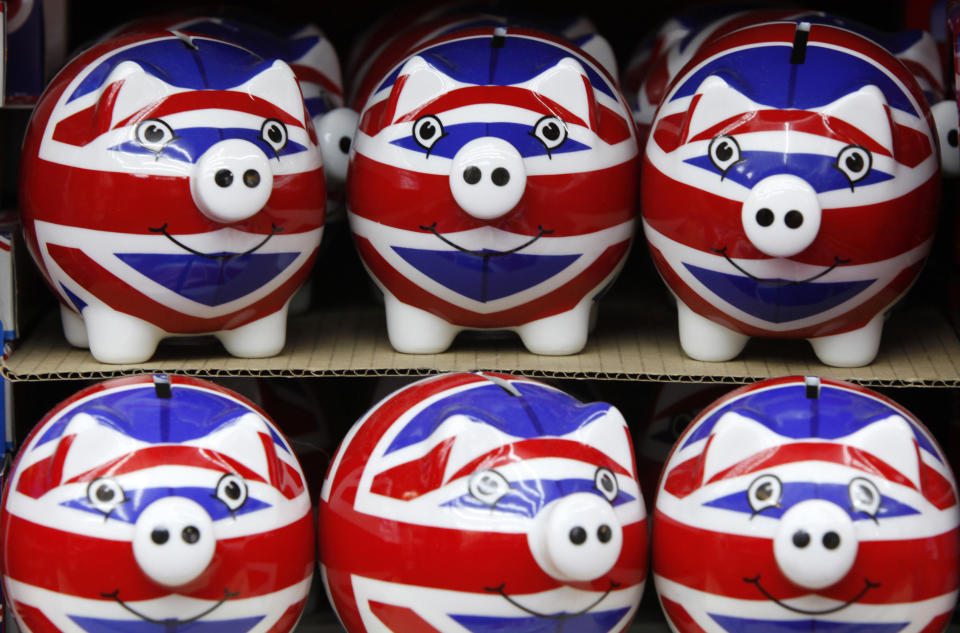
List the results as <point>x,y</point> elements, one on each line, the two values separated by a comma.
<point>805,505</point>
<point>171,185</point>
<point>790,189</point>
<point>492,186</point>
<point>156,504</point>
<point>483,503</point>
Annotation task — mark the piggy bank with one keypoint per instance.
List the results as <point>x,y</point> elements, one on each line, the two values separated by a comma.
<point>188,197</point>
<point>823,507</point>
<point>156,503</point>
<point>492,185</point>
<point>790,190</point>
<point>484,502</point>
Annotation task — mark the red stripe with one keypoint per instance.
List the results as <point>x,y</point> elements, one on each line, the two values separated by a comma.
<point>938,623</point>
<point>309,74</point>
<point>908,570</point>
<point>211,99</point>
<point>34,619</point>
<point>283,477</point>
<point>84,126</point>
<point>679,617</point>
<point>46,474</point>
<point>414,478</point>
<point>289,618</point>
<point>542,448</point>
<point>400,619</point>
<point>253,565</point>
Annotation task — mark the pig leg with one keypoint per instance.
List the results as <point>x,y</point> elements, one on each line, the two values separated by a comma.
<point>850,349</point>
<point>74,329</point>
<point>415,331</point>
<point>560,334</point>
<point>703,339</point>
<point>119,338</point>
<point>257,339</point>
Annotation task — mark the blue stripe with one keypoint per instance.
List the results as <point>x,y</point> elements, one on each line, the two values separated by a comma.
<point>795,492</point>
<point>78,303</point>
<point>103,625</point>
<point>777,301</point>
<point>517,134</point>
<point>527,497</point>
<point>485,278</point>
<point>139,499</point>
<point>592,622</point>
<point>734,624</point>
<point>192,143</point>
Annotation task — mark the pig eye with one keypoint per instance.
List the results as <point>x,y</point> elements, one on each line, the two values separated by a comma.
<point>864,496</point>
<point>154,134</point>
<point>855,162</point>
<point>764,492</point>
<point>606,482</point>
<point>427,130</point>
<point>550,131</point>
<point>232,491</point>
<point>724,153</point>
<point>488,486</point>
<point>274,134</point>
<point>105,494</point>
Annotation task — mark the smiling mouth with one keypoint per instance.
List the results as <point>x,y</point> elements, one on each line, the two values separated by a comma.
<point>780,282</point>
<point>163,229</point>
<point>485,253</point>
<point>227,594</point>
<point>551,616</point>
<point>867,586</point>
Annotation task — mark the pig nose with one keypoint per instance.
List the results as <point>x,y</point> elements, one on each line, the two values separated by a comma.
<point>488,178</point>
<point>815,545</point>
<point>173,541</point>
<point>577,538</point>
<point>231,181</point>
<point>781,215</point>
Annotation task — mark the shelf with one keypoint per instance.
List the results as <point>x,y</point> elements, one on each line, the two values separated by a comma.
<point>631,343</point>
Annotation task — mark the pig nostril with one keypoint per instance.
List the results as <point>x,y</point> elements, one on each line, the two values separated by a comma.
<point>604,533</point>
<point>801,539</point>
<point>471,175</point>
<point>223,178</point>
<point>831,540</point>
<point>578,536</point>
<point>251,178</point>
<point>190,534</point>
<point>764,217</point>
<point>500,176</point>
<point>793,219</point>
<point>159,536</point>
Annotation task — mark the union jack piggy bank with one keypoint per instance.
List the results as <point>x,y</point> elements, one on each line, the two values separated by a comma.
<point>800,504</point>
<point>171,185</point>
<point>482,503</point>
<point>154,503</point>
<point>492,186</point>
<point>790,189</point>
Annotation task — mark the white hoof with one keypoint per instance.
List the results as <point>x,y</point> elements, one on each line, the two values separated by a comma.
<point>415,331</point>
<point>74,329</point>
<point>703,339</point>
<point>560,334</point>
<point>258,339</point>
<point>850,349</point>
<point>119,338</point>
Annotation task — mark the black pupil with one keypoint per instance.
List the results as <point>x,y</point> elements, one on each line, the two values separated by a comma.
<point>764,492</point>
<point>488,486</point>
<point>607,483</point>
<point>427,130</point>
<point>104,493</point>
<point>578,535</point>
<point>232,490</point>
<point>952,138</point>
<point>854,162</point>
<point>724,151</point>
<point>866,496</point>
<point>275,134</point>
<point>153,133</point>
<point>551,131</point>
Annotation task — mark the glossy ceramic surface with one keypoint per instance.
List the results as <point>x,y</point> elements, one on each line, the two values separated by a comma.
<point>171,184</point>
<point>155,503</point>
<point>484,502</point>
<point>806,505</point>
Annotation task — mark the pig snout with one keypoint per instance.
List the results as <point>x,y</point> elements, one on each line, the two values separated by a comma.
<point>232,181</point>
<point>488,178</point>
<point>173,541</point>
<point>815,545</point>
<point>781,215</point>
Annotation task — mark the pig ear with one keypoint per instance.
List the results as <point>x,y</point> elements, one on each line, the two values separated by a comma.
<point>735,438</point>
<point>239,440</point>
<point>717,102</point>
<point>278,85</point>
<point>890,439</point>
<point>96,442</point>
<point>866,110</point>
<point>138,90</point>
<point>566,84</point>
<point>419,83</point>
<point>606,430</point>
<point>599,48</point>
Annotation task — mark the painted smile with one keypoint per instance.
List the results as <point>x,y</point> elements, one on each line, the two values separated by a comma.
<point>551,616</point>
<point>780,282</point>
<point>227,594</point>
<point>163,229</point>
<point>485,253</point>
<point>867,586</point>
